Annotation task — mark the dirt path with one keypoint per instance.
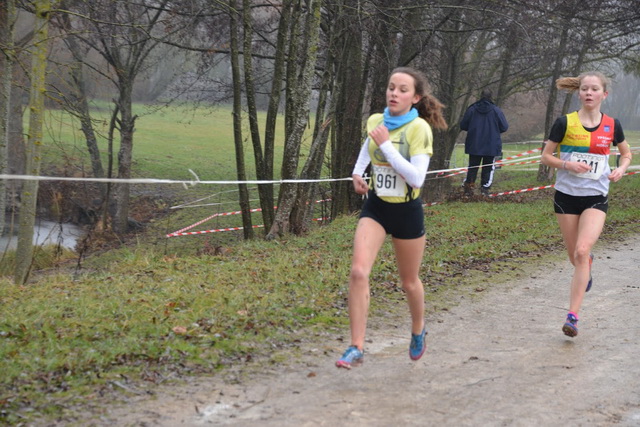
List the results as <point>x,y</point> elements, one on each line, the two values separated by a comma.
<point>498,360</point>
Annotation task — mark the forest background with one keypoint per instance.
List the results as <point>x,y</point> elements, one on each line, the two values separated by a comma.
<point>320,66</point>
<point>255,91</point>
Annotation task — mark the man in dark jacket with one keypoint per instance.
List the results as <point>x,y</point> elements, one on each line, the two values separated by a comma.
<point>484,122</point>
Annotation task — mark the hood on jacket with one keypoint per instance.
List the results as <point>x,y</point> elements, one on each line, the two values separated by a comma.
<point>484,106</point>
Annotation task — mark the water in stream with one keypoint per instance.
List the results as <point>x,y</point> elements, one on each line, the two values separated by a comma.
<point>48,233</point>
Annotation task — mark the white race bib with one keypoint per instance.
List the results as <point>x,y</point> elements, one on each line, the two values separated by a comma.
<point>596,161</point>
<point>388,183</point>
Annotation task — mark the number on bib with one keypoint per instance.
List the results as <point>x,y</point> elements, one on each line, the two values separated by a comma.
<point>388,183</point>
<point>596,161</point>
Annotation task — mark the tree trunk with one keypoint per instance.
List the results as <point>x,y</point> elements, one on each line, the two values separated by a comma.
<point>511,45</point>
<point>241,174</point>
<point>279,64</point>
<point>7,19</point>
<point>107,214</point>
<point>584,48</point>
<point>449,70</point>
<point>300,116</point>
<point>79,103</point>
<point>434,188</point>
<point>262,168</point>
<point>24,252</point>
<point>16,142</point>
<point>127,125</point>
<point>349,91</point>
<point>381,61</point>
<point>545,172</point>
<point>304,203</point>
<point>124,37</point>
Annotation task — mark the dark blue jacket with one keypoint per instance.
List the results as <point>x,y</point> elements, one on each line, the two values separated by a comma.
<point>484,122</point>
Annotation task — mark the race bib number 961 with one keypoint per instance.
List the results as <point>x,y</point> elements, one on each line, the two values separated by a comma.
<point>388,183</point>
<point>596,161</point>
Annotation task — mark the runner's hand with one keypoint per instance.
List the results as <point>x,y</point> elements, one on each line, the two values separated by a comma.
<point>360,185</point>
<point>578,167</point>
<point>615,175</point>
<point>380,134</point>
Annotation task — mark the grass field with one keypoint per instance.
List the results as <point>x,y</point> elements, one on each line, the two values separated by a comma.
<point>157,309</point>
<point>167,142</point>
<point>171,141</point>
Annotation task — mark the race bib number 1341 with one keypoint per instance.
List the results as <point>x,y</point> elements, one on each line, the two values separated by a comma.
<point>596,161</point>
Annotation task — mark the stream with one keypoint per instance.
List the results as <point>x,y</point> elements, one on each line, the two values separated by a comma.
<point>48,233</point>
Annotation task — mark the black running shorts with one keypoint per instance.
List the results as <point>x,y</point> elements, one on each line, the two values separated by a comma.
<point>575,205</point>
<point>401,220</point>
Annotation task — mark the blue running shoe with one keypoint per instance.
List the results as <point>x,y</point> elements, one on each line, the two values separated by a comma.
<point>351,357</point>
<point>417,347</point>
<point>570,327</point>
<point>590,276</point>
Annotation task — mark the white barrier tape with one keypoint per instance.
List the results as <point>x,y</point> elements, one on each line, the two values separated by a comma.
<point>509,161</point>
<point>500,162</point>
<point>192,203</point>
<point>162,181</point>
<point>193,182</point>
<point>506,193</point>
<point>503,193</point>
<point>503,162</point>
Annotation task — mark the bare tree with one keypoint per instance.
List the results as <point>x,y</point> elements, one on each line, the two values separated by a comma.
<point>301,67</point>
<point>245,206</point>
<point>462,45</point>
<point>24,252</point>
<point>349,95</point>
<point>263,156</point>
<point>304,205</point>
<point>124,34</point>
<point>7,54</point>
<point>78,100</point>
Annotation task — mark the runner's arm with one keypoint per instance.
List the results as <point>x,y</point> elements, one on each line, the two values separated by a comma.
<point>414,171</point>
<point>363,159</point>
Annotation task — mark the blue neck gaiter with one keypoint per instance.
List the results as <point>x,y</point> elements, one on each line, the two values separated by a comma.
<point>394,122</point>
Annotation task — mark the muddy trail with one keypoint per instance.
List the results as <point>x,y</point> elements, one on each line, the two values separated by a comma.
<point>497,360</point>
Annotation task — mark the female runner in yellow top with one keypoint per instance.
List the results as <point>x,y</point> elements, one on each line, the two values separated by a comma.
<point>398,147</point>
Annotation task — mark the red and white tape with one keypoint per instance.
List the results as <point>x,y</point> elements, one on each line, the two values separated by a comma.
<point>524,190</point>
<point>501,162</point>
<point>219,230</point>
<point>209,218</point>
<point>182,231</point>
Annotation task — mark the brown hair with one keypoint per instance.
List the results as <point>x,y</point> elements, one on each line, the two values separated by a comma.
<point>429,107</point>
<point>571,84</point>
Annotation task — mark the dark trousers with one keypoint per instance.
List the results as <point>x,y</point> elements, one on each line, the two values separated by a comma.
<point>486,176</point>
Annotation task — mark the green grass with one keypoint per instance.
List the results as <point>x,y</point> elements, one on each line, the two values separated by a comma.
<point>171,141</point>
<point>167,142</point>
<point>140,314</point>
<point>43,257</point>
<point>159,309</point>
